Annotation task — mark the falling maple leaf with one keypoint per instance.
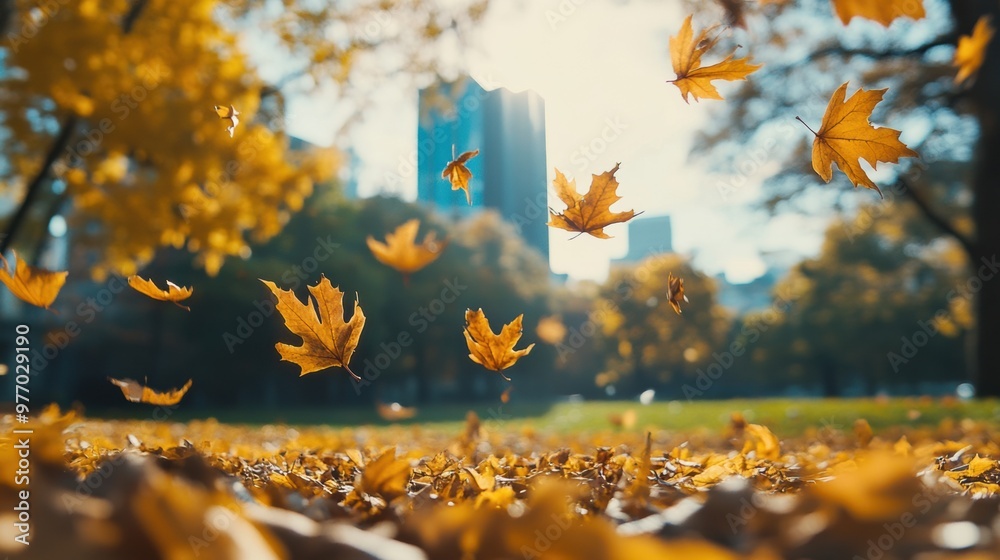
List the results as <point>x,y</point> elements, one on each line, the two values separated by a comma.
<point>327,341</point>
<point>400,250</point>
<point>394,411</point>
<point>971,49</point>
<point>589,213</point>
<point>846,135</point>
<point>882,11</point>
<point>173,293</point>
<point>136,392</point>
<point>231,114</point>
<point>675,292</point>
<point>36,286</point>
<point>458,174</point>
<point>686,50</point>
<point>494,352</point>
<point>505,396</point>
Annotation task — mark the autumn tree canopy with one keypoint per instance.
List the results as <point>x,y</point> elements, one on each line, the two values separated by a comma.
<point>102,123</point>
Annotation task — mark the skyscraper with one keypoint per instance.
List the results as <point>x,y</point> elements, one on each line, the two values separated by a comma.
<point>647,236</point>
<point>509,174</point>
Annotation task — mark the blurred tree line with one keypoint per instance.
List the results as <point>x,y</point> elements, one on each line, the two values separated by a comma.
<point>832,318</point>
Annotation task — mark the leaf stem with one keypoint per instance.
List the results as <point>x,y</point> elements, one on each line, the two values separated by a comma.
<point>354,375</point>
<point>798,118</point>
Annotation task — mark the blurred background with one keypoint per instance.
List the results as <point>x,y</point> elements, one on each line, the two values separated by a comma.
<point>114,162</point>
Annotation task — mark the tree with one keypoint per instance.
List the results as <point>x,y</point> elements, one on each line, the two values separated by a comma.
<point>961,122</point>
<point>101,121</point>
<point>647,343</point>
<point>870,309</point>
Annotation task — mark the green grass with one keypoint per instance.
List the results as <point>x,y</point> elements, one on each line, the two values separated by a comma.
<point>786,417</point>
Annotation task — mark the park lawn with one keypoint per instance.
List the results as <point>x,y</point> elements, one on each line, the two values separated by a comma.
<point>786,417</point>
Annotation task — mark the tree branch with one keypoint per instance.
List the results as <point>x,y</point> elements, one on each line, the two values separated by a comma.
<point>35,187</point>
<point>838,50</point>
<point>918,198</point>
<point>132,15</point>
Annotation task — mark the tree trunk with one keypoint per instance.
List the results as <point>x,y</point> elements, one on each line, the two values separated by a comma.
<point>986,206</point>
<point>35,186</point>
<point>830,384</point>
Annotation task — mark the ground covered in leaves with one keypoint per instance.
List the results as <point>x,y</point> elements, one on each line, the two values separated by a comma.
<point>131,489</point>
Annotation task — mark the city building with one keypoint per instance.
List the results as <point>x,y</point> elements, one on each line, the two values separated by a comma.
<point>509,174</point>
<point>647,236</point>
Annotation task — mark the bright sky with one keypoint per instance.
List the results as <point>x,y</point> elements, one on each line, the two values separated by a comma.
<point>602,63</point>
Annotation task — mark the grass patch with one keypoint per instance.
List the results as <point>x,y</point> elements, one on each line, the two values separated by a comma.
<point>786,417</point>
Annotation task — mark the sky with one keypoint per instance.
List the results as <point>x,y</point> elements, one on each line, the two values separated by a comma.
<point>602,70</point>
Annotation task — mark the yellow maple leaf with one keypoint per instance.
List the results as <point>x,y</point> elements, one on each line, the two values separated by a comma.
<point>494,352</point>
<point>400,250</point>
<point>36,286</point>
<point>882,11</point>
<point>589,213</point>
<point>846,136</point>
<point>762,441</point>
<point>386,476</point>
<point>971,49</point>
<point>327,340</point>
<point>686,50</point>
<point>230,114</point>
<point>675,292</point>
<point>458,174</point>
<point>136,392</point>
<point>173,293</point>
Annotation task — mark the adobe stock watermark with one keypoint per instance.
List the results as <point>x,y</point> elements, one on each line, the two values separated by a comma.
<point>406,165</point>
<point>753,161</point>
<point>122,107</point>
<point>563,11</point>
<point>582,157</point>
<point>292,278</point>
<point>213,184</point>
<point>894,531</point>
<point>578,335</point>
<point>86,487</point>
<point>87,311</point>
<point>32,21</point>
<point>868,213</point>
<point>911,345</point>
<point>749,335</point>
<point>420,320</point>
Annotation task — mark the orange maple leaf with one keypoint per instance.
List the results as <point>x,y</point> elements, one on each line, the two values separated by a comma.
<point>882,11</point>
<point>675,292</point>
<point>327,341</point>
<point>846,135</point>
<point>494,352</point>
<point>458,174</point>
<point>589,213</point>
<point>551,330</point>
<point>686,50</point>
<point>400,250</point>
<point>173,293</point>
<point>36,286</point>
<point>971,49</point>
<point>136,392</point>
